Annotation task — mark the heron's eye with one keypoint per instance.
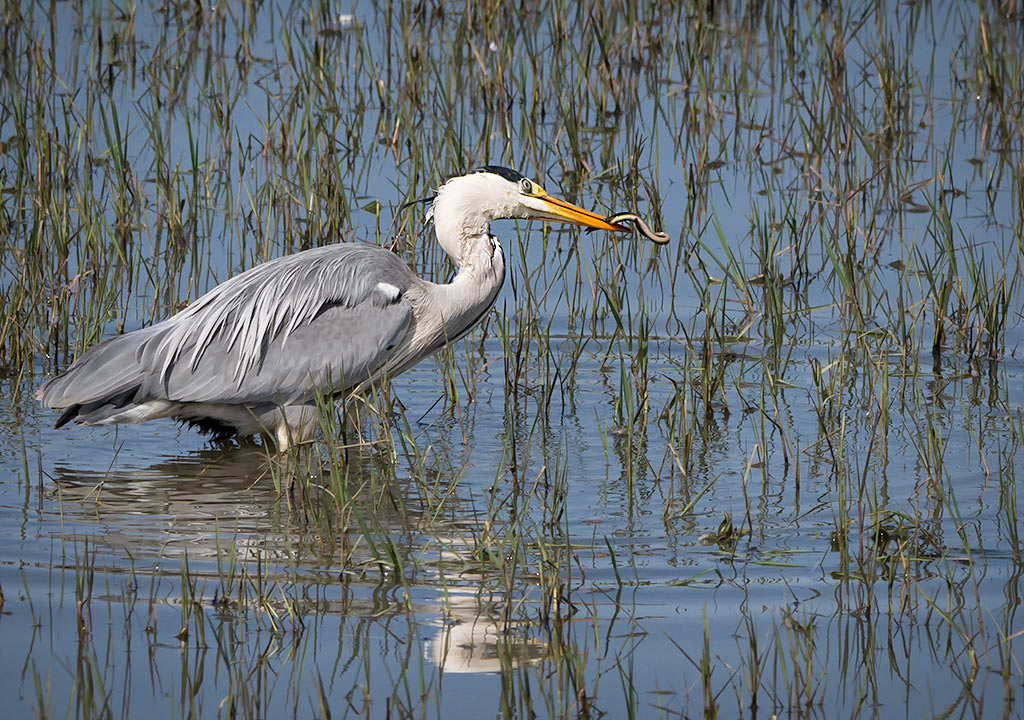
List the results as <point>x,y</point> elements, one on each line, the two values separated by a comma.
<point>526,186</point>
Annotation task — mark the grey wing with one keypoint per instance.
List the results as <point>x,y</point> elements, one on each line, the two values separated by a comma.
<point>339,348</point>
<point>328,317</point>
<point>103,371</point>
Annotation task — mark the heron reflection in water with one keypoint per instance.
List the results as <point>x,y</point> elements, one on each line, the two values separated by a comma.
<point>250,356</point>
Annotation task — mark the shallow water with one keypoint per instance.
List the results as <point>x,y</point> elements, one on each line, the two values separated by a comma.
<point>763,493</point>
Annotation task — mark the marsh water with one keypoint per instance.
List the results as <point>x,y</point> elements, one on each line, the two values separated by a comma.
<point>766,470</point>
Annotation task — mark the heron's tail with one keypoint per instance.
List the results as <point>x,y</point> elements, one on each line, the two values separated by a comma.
<point>104,381</point>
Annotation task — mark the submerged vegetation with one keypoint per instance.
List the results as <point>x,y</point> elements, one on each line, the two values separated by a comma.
<point>767,469</point>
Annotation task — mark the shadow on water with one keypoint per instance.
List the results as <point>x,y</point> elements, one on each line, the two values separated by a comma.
<point>192,503</point>
<point>208,530</point>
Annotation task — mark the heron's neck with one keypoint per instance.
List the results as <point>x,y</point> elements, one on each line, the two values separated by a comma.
<point>481,269</point>
<point>462,224</point>
<point>462,241</point>
<point>464,231</point>
<point>480,262</point>
<point>459,305</point>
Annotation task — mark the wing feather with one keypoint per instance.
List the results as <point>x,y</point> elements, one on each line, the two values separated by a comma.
<point>267,335</point>
<point>244,315</point>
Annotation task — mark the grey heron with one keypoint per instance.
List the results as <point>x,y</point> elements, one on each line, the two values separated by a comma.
<point>249,356</point>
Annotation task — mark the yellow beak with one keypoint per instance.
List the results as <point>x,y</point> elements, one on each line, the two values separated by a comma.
<point>567,212</point>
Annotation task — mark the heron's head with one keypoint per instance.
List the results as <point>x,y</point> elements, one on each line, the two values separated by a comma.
<point>465,205</point>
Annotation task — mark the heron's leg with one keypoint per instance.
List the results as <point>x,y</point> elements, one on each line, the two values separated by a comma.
<point>297,424</point>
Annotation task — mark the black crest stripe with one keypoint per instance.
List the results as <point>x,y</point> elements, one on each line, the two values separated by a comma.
<point>507,173</point>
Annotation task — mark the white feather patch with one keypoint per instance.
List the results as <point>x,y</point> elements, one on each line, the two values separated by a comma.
<point>389,291</point>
